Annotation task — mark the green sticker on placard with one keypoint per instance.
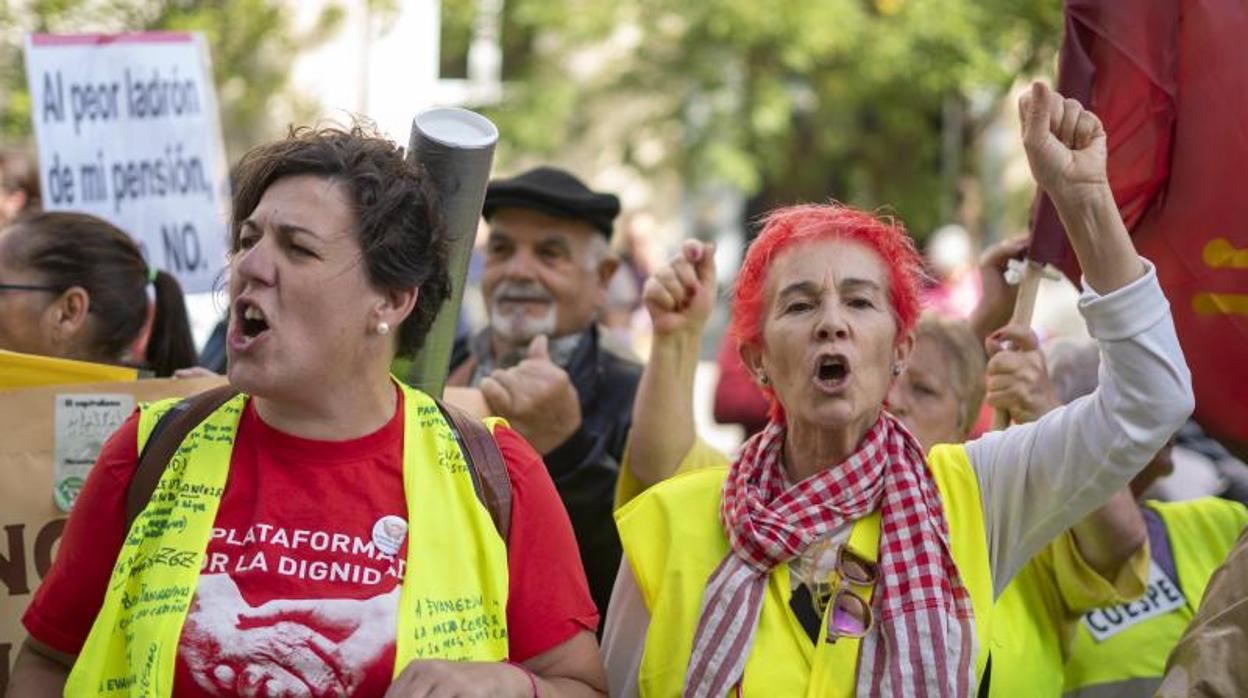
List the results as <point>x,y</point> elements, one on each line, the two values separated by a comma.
<point>83,422</point>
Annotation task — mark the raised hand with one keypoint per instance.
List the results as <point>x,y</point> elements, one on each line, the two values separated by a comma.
<point>1066,148</point>
<point>681,295</point>
<point>1065,144</point>
<point>996,303</point>
<point>536,397</point>
<point>1018,379</point>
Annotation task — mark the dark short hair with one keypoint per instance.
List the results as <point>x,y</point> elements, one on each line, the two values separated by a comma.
<point>76,249</point>
<point>394,205</point>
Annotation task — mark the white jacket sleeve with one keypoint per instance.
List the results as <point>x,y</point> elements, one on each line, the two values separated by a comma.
<point>1036,480</point>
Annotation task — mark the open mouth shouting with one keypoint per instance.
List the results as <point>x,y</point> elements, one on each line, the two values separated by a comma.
<point>249,325</point>
<point>831,372</point>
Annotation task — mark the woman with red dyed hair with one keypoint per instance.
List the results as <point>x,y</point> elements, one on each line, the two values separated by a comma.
<point>833,557</point>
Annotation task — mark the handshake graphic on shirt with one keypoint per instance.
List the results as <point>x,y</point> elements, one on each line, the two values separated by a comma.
<point>318,647</point>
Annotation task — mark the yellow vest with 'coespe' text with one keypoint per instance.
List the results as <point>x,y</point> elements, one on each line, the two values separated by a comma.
<point>1137,637</point>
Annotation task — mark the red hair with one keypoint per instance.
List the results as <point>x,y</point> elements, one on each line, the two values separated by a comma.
<point>787,227</point>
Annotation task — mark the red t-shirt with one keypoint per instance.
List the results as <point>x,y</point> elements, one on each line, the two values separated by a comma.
<point>299,588</point>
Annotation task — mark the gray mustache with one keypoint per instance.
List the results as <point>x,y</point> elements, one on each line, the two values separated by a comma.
<point>521,291</point>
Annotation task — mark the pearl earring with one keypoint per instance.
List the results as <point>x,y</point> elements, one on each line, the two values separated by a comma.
<point>383,328</point>
<point>896,369</point>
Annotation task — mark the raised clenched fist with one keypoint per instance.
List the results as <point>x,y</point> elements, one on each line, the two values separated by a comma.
<point>681,295</point>
<point>1065,144</point>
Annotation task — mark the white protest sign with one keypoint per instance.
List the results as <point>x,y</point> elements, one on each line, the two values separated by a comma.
<point>127,130</point>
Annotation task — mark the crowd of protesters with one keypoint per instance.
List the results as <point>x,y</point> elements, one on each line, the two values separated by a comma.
<point>556,526</point>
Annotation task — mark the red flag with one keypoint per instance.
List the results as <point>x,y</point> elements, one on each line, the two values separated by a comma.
<point>1169,80</point>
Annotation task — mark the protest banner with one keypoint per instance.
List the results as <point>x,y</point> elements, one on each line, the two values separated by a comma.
<point>1177,163</point>
<point>44,425</point>
<point>127,129</point>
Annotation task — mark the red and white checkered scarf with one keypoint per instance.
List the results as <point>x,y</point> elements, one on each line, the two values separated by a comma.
<point>923,642</point>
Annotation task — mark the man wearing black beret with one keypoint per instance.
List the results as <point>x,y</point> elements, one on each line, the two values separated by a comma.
<point>541,363</point>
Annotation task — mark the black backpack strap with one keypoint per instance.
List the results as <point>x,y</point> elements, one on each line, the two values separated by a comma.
<point>485,465</point>
<point>167,435</point>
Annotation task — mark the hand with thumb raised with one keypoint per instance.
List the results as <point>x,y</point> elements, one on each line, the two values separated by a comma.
<point>536,397</point>
<point>539,349</point>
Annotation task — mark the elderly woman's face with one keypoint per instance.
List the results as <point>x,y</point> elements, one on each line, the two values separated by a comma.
<point>300,303</point>
<point>923,397</point>
<point>829,335</point>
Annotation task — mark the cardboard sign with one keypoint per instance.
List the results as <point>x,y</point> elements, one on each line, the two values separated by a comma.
<point>38,429</point>
<point>127,130</point>
<point>1160,597</point>
<point>81,425</point>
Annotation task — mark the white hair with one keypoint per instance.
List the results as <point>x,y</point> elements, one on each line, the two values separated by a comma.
<point>1073,365</point>
<point>598,250</point>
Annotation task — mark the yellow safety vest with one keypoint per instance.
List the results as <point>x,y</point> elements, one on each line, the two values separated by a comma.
<point>1026,638</point>
<point>456,560</point>
<point>1132,660</point>
<point>1032,621</point>
<point>673,540</point>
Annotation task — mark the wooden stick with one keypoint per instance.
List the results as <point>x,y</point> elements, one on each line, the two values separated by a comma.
<point>1024,308</point>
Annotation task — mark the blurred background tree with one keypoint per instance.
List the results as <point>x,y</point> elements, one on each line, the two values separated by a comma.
<point>870,102</point>
<point>252,43</point>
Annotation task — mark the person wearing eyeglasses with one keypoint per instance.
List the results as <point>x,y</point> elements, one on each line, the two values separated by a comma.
<point>901,553</point>
<point>75,286</point>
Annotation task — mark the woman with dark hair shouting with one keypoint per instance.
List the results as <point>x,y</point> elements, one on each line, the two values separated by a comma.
<point>320,532</point>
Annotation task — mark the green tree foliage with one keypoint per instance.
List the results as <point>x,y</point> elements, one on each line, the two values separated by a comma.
<point>252,43</point>
<point>786,100</point>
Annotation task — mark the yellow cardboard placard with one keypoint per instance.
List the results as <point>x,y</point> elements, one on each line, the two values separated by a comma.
<point>19,370</point>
